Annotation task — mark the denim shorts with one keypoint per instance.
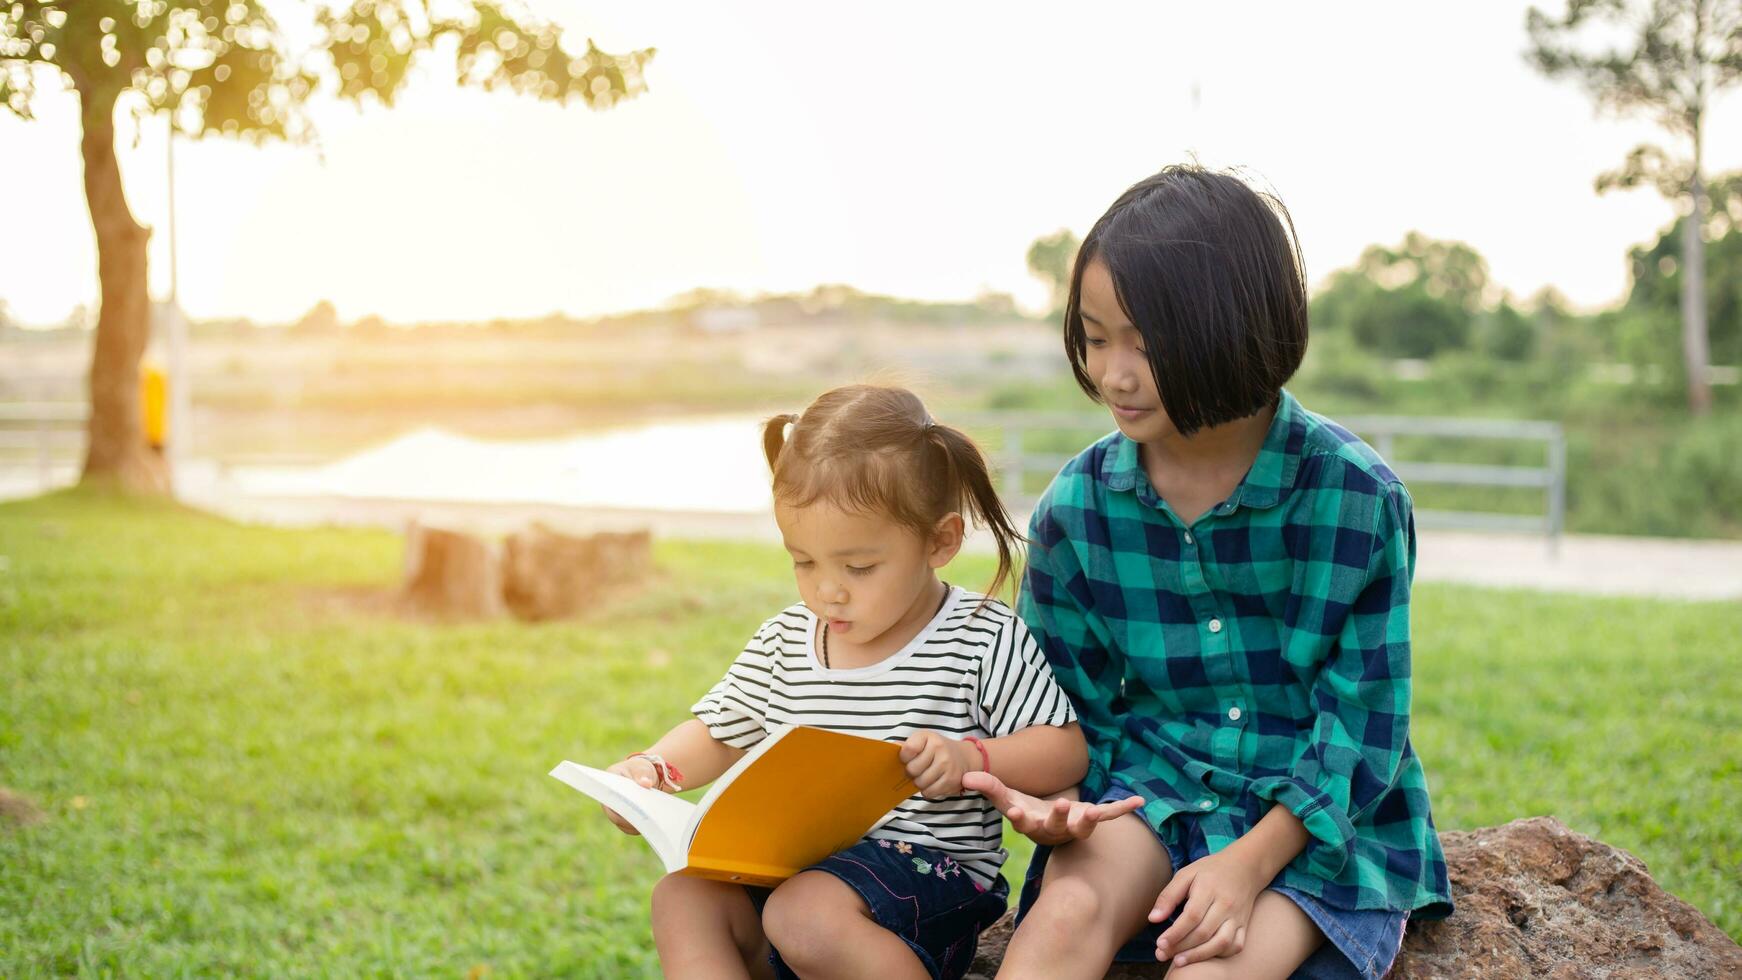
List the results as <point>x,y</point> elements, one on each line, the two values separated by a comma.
<point>1360,943</point>
<point>918,893</point>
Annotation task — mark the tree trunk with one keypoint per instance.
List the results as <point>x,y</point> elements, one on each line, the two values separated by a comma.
<point>116,453</point>
<point>1694,350</point>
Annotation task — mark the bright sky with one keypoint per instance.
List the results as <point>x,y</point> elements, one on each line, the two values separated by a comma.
<point>907,148</point>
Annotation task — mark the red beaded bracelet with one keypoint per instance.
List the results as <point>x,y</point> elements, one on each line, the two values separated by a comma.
<point>985,756</point>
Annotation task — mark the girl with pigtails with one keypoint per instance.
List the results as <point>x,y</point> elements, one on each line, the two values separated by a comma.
<point>872,498</point>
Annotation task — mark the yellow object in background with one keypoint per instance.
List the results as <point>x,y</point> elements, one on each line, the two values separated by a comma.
<point>154,402</point>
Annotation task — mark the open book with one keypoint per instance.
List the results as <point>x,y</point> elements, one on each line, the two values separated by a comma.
<point>798,796</point>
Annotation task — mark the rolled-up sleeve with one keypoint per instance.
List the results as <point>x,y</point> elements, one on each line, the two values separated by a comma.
<point>1360,697</point>
<point>1053,603</point>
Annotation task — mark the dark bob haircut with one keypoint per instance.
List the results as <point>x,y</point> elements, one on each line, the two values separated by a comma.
<point>1209,271</point>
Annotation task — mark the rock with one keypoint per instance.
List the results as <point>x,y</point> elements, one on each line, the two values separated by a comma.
<point>1534,899</point>
<point>451,573</point>
<point>548,575</point>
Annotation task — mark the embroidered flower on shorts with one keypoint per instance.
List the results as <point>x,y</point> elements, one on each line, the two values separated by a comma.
<point>922,866</point>
<point>904,847</point>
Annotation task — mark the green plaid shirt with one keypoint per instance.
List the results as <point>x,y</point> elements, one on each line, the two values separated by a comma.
<point>1258,656</point>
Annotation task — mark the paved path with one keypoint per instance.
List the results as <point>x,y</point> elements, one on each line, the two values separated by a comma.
<point>1588,564</point>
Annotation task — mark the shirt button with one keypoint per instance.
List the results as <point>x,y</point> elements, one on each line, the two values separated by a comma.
<point>1234,714</point>
<point>1206,804</point>
<point>1188,537</point>
<point>1215,626</point>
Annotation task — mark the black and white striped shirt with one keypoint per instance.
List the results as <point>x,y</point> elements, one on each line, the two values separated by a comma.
<point>973,670</point>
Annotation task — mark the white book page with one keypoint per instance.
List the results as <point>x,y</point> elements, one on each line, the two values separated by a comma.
<point>664,820</point>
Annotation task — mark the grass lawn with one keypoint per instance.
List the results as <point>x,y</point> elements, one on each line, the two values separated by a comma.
<point>245,766</point>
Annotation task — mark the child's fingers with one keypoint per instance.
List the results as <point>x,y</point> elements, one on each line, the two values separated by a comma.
<point>1082,821</point>
<point>992,788</point>
<point>1190,917</point>
<point>623,825</point>
<point>1057,816</point>
<point>933,775</point>
<point>1107,811</point>
<point>914,745</point>
<point>1056,820</point>
<point>1170,896</point>
<point>1222,943</point>
<point>1215,914</point>
<point>920,763</point>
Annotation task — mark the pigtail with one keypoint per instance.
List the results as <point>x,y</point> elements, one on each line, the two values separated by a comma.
<point>969,479</point>
<point>774,437</point>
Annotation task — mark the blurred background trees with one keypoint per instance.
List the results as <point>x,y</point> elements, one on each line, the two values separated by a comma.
<point>1676,56</point>
<point>231,68</point>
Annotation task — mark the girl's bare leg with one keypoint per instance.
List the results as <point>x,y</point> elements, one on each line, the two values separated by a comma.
<point>824,931</point>
<point>1279,938</point>
<point>708,930</point>
<point>1095,895</point>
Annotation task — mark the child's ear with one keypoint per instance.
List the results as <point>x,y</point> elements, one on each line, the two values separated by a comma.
<point>946,540</point>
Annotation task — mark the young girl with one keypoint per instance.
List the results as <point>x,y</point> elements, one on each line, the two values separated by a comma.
<point>1222,587</point>
<point>869,494</point>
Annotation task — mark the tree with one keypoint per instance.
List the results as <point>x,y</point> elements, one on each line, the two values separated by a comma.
<point>1679,54</point>
<point>1050,259</point>
<point>321,319</point>
<point>228,68</point>
<point>1659,273</point>
<point>1415,300</point>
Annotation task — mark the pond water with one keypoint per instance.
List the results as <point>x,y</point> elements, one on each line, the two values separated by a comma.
<point>711,464</point>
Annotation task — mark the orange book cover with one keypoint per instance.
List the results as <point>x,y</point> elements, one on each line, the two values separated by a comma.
<point>798,796</point>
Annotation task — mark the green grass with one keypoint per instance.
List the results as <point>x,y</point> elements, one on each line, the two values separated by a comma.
<point>246,766</point>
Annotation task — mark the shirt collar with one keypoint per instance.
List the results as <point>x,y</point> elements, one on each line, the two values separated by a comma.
<point>1272,474</point>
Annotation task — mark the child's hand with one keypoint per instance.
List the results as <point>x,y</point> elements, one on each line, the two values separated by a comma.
<point>1047,821</point>
<point>643,773</point>
<point>936,763</point>
<point>1218,892</point>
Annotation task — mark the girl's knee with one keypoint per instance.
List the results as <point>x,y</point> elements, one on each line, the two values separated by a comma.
<point>800,918</point>
<point>1071,901</point>
<point>1070,914</point>
<point>683,901</point>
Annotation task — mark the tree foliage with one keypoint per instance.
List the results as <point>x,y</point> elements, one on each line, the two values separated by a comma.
<point>1050,259</point>
<point>1658,269</point>
<point>231,67</point>
<point>1415,300</point>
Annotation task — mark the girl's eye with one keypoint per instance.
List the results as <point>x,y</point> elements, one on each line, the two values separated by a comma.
<point>860,571</point>
<point>1095,341</point>
<point>800,564</point>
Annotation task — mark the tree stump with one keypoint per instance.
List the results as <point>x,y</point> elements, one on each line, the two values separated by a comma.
<point>1533,899</point>
<point>549,575</point>
<point>450,573</point>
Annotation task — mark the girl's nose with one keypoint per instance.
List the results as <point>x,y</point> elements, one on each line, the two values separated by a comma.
<point>831,592</point>
<point>1121,373</point>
